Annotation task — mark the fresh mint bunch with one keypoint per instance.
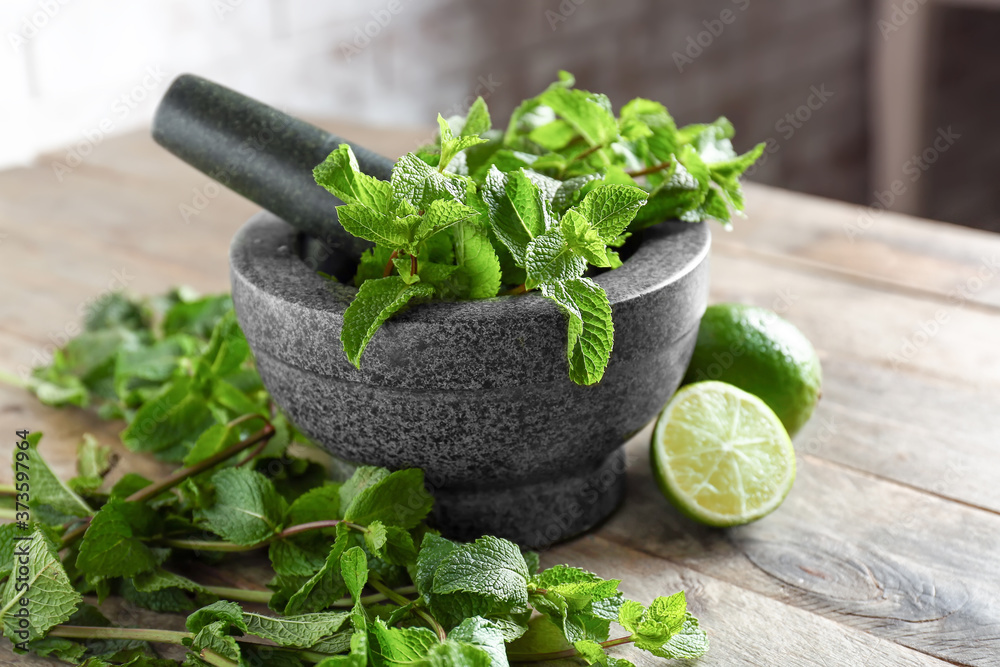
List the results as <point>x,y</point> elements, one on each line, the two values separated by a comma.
<point>359,578</point>
<point>484,213</point>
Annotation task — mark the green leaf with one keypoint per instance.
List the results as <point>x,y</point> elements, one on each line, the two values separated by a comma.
<point>373,226</point>
<point>325,586</point>
<point>340,175</point>
<point>213,440</point>
<point>197,317</point>
<point>433,551</point>
<point>376,301</point>
<point>116,309</point>
<point>398,499</point>
<point>481,633</point>
<point>591,330</point>
<point>583,239</point>
<point>112,545</point>
<point>550,259</point>
<point>93,461</point>
<point>354,570</point>
<point>301,631</point>
<point>160,579</point>
<point>478,265</point>
<point>455,654</point>
<point>247,509</point>
<point>490,567</point>
<point>477,121</point>
<point>688,643</point>
<point>400,646</point>
<point>452,145</point>
<point>43,595</point>
<point>610,208</point>
<point>516,209</point>
<point>47,488</point>
<point>391,543</point>
<point>588,113</point>
<point>176,415</point>
<point>441,214</point>
<point>420,184</point>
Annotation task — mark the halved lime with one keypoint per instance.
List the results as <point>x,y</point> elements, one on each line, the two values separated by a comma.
<point>721,456</point>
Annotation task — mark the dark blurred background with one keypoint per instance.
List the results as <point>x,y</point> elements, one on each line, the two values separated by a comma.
<point>888,103</point>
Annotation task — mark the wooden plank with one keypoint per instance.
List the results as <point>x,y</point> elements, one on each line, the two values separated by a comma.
<point>936,435</point>
<point>884,559</point>
<point>744,628</point>
<point>937,257</point>
<point>867,322</point>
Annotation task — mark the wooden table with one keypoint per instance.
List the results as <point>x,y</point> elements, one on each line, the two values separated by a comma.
<point>887,551</point>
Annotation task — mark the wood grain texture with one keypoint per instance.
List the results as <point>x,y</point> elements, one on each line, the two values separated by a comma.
<point>887,551</point>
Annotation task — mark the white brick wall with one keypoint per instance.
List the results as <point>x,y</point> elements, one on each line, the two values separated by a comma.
<point>70,69</point>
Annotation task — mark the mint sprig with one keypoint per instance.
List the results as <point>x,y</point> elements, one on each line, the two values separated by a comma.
<point>359,578</point>
<point>483,213</point>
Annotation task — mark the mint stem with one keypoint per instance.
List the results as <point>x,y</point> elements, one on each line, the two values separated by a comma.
<point>220,545</point>
<point>649,170</point>
<point>12,380</point>
<point>7,490</point>
<point>264,597</point>
<point>8,514</point>
<point>213,658</point>
<point>520,289</point>
<point>568,653</point>
<point>389,265</point>
<point>393,596</point>
<point>239,594</point>
<point>137,634</point>
<point>179,476</point>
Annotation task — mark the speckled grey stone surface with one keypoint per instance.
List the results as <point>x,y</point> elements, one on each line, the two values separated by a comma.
<point>476,393</point>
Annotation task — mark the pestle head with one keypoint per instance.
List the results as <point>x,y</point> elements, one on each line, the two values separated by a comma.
<point>259,152</point>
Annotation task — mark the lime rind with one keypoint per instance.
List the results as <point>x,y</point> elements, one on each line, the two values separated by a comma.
<point>721,455</point>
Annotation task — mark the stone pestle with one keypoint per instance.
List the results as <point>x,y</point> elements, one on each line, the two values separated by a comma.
<point>261,153</point>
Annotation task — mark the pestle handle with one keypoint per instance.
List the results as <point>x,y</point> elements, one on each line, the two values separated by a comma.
<point>259,152</point>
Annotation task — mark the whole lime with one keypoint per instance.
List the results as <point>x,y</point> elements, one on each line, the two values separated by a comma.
<point>756,350</point>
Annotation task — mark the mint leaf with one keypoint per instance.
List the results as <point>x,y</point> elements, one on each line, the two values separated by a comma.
<point>376,227</point>
<point>112,545</point>
<point>588,113</point>
<point>609,209</point>
<point>490,567</point>
<point>477,121</point>
<point>584,240</point>
<point>160,579</point>
<point>456,654</point>
<point>441,214</point>
<point>688,643</point>
<point>301,631</point>
<point>212,440</point>
<point>304,554</point>
<point>93,461</point>
<point>399,499</point>
<point>325,586</point>
<point>43,595</point>
<point>375,302</point>
<point>354,570</point>
<point>452,145</point>
<point>177,414</point>
<point>591,330</point>
<point>48,489</point>
<point>419,183</point>
<point>247,509</point>
<point>400,646</point>
<point>550,259</point>
<point>516,210</point>
<point>340,175</point>
<point>479,632</point>
<point>433,551</point>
